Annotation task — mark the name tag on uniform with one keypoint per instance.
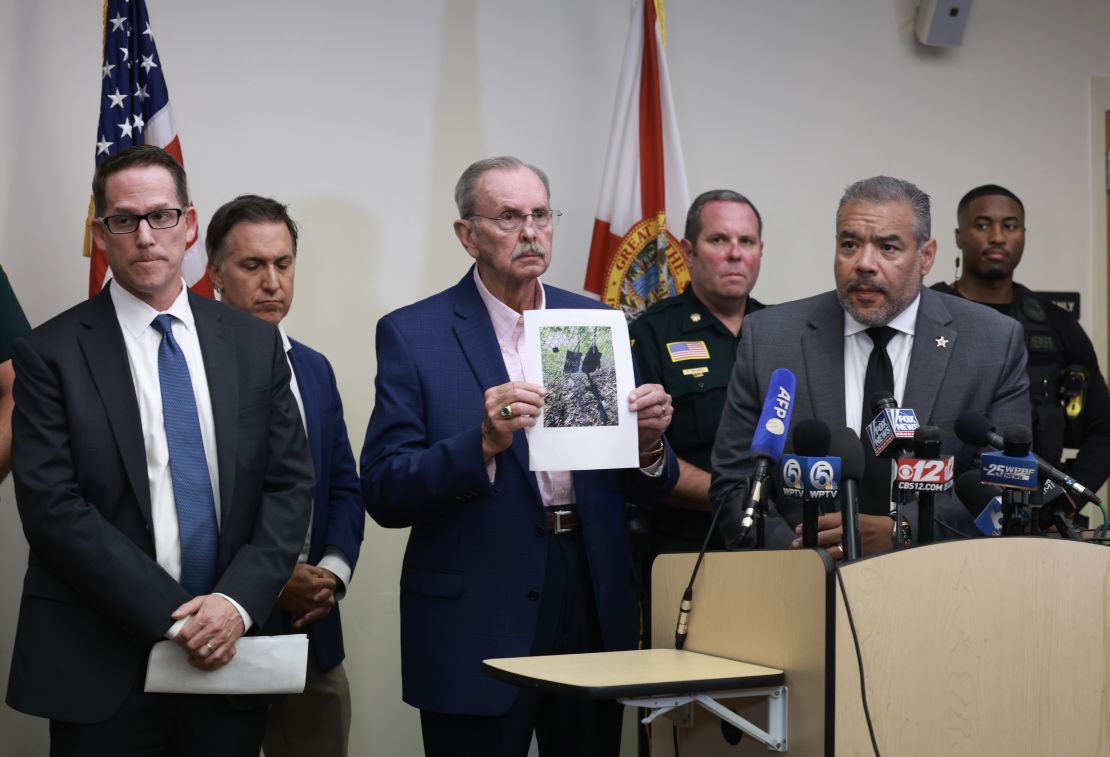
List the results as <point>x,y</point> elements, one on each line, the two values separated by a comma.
<point>680,351</point>
<point>698,372</point>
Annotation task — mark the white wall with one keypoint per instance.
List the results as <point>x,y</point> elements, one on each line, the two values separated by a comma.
<point>362,114</point>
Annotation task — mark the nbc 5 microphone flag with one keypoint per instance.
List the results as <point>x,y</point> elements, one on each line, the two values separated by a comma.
<point>635,259</point>
<point>134,110</point>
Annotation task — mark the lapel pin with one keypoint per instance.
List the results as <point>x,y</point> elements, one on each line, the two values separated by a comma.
<point>695,317</point>
<point>942,342</point>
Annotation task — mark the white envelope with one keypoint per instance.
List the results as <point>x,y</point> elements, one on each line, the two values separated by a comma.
<point>262,665</point>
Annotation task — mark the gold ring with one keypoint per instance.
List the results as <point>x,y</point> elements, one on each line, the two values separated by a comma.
<point>209,647</point>
<point>507,411</point>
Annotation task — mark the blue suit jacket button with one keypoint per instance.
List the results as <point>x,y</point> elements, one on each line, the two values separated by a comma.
<point>533,595</point>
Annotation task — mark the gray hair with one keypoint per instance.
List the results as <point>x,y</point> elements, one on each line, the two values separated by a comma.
<point>468,183</point>
<point>882,189</point>
<point>693,215</point>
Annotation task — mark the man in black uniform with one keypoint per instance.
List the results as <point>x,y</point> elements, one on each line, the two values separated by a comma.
<point>687,343</point>
<point>1071,407</point>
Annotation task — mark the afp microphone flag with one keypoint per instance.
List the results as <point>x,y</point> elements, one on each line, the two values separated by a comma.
<point>634,256</point>
<point>134,110</point>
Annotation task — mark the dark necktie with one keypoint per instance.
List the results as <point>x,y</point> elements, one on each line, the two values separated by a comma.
<point>879,376</point>
<point>192,488</point>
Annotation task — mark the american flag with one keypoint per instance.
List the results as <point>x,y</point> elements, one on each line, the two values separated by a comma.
<point>135,109</point>
<point>687,351</point>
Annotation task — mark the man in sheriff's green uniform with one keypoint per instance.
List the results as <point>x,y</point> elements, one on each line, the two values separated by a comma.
<point>1071,407</point>
<point>687,343</point>
<point>13,324</point>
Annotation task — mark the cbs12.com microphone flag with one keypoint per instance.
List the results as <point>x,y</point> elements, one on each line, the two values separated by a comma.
<point>134,110</point>
<point>635,259</point>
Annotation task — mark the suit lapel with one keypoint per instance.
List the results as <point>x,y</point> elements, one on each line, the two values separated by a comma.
<point>106,356</point>
<point>823,353</point>
<point>474,330</point>
<point>933,341</point>
<point>221,370</point>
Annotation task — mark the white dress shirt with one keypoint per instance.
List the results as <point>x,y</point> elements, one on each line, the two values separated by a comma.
<point>857,350</point>
<point>142,339</point>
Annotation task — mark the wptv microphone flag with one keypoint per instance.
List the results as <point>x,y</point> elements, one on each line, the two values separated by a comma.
<point>134,110</point>
<point>634,256</point>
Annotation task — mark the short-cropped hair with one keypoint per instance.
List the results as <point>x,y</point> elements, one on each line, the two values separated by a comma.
<point>883,189</point>
<point>244,209</point>
<point>137,156</point>
<point>467,185</point>
<point>693,216</point>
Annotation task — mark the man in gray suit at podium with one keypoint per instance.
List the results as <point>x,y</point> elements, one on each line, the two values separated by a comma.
<point>880,329</point>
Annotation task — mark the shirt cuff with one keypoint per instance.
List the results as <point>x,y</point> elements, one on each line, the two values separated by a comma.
<point>655,470</point>
<point>335,561</point>
<point>175,629</point>
<point>247,622</point>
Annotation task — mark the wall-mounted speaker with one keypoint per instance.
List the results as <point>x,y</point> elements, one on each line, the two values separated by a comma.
<point>942,22</point>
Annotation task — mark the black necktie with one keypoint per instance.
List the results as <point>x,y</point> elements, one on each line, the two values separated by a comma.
<point>879,376</point>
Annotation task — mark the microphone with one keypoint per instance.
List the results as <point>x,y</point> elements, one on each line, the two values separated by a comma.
<point>810,474</point>
<point>1051,512</point>
<point>846,445</point>
<point>769,439</point>
<point>983,502</point>
<point>926,472</point>
<point>1014,467</point>
<point>893,427</point>
<point>1014,470</point>
<point>766,449</point>
<point>974,428</point>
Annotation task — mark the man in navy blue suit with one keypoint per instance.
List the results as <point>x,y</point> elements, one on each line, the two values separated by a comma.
<point>501,561</point>
<point>252,256</point>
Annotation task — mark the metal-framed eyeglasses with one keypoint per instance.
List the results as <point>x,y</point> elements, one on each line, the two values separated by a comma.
<point>511,220</point>
<point>128,223</point>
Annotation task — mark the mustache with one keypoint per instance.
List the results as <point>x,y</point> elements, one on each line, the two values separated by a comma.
<point>866,281</point>
<point>532,248</point>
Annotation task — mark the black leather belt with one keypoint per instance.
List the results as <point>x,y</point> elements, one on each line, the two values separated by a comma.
<point>562,521</point>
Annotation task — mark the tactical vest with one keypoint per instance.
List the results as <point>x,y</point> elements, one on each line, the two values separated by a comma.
<point>1046,363</point>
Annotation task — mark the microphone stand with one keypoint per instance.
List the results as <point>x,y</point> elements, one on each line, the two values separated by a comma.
<point>758,481</point>
<point>1012,499</point>
<point>849,520</point>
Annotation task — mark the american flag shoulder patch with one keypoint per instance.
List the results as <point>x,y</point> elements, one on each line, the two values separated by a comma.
<point>680,351</point>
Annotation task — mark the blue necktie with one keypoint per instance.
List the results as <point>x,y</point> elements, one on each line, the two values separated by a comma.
<point>192,488</point>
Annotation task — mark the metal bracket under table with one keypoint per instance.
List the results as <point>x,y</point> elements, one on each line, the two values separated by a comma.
<point>774,737</point>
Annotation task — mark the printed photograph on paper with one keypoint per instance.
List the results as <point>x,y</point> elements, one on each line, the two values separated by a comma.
<point>579,375</point>
<point>583,361</point>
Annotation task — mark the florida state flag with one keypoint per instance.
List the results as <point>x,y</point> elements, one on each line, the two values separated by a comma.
<point>634,257</point>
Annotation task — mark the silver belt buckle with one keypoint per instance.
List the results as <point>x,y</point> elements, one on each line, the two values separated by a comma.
<point>559,521</point>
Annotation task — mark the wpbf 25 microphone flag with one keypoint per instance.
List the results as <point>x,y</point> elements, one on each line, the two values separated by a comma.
<point>634,256</point>
<point>134,110</point>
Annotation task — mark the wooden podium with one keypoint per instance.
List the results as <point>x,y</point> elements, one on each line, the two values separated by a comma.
<point>976,647</point>
<point>971,647</point>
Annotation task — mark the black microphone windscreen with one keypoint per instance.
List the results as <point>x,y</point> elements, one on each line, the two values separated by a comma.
<point>1017,440</point>
<point>973,428</point>
<point>882,400</point>
<point>973,493</point>
<point>811,438</point>
<point>847,446</point>
<point>926,441</point>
